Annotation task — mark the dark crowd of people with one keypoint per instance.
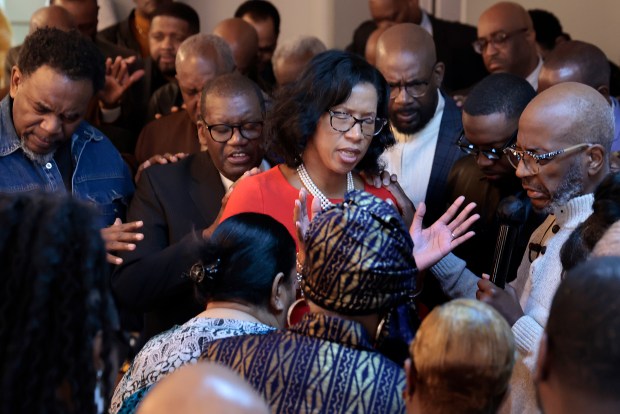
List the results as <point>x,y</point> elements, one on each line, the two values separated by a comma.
<point>228,222</point>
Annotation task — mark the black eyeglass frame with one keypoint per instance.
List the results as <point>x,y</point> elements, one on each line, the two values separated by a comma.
<point>493,154</point>
<point>496,38</point>
<point>239,127</point>
<point>378,122</point>
<point>407,85</point>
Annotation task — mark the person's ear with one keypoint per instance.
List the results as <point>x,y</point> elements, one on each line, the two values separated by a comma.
<point>597,158</point>
<point>278,293</point>
<point>202,133</point>
<point>438,73</point>
<point>16,79</point>
<point>604,90</point>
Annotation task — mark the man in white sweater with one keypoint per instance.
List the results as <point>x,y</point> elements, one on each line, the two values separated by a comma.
<point>561,155</point>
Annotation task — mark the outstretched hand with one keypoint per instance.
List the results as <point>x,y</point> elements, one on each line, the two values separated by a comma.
<point>432,244</point>
<point>118,80</point>
<point>121,237</point>
<point>302,219</point>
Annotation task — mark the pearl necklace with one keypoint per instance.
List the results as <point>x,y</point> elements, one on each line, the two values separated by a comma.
<point>314,190</point>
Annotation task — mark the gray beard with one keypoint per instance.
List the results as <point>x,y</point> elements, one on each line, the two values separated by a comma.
<point>571,187</point>
<point>40,159</point>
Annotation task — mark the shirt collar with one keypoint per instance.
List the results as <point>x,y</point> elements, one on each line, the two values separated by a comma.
<point>9,141</point>
<point>574,211</point>
<point>425,23</point>
<point>532,78</point>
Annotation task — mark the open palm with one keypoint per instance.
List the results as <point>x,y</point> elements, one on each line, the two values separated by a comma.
<point>432,244</point>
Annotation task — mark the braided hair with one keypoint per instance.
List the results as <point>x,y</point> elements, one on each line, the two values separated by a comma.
<point>55,299</point>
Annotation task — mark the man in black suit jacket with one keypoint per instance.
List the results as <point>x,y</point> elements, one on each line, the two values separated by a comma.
<point>133,32</point>
<point>179,202</point>
<point>453,40</point>
<point>425,122</point>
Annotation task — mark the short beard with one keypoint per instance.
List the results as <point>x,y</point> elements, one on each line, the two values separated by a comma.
<point>41,159</point>
<point>570,187</point>
<point>168,72</point>
<point>425,118</point>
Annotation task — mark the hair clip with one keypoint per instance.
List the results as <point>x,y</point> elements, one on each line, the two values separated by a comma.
<point>198,271</point>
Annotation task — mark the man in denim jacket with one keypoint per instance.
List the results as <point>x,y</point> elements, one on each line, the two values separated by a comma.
<point>46,145</point>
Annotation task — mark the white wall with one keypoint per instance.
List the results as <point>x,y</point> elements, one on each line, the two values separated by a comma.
<point>595,22</point>
<point>333,21</point>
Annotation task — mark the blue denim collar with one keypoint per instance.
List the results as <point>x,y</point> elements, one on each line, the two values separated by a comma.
<point>9,141</point>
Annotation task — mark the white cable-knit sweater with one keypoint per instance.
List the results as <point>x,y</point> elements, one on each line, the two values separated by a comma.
<point>535,285</point>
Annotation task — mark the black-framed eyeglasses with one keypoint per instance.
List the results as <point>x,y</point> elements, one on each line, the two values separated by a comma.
<point>492,154</point>
<point>415,88</point>
<point>343,122</point>
<point>497,38</point>
<point>533,161</point>
<point>223,132</point>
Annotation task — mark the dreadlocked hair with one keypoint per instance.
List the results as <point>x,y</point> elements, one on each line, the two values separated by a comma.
<point>55,298</point>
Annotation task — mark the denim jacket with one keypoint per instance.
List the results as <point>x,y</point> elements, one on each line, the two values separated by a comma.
<point>100,177</point>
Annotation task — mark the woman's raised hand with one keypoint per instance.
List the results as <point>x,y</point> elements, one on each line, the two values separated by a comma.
<point>432,244</point>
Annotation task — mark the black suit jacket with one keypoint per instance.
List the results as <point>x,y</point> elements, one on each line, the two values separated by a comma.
<point>120,34</point>
<point>176,202</point>
<point>453,42</point>
<point>446,154</point>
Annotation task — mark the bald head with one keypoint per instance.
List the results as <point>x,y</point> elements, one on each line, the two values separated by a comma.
<point>578,112</point>
<point>517,53</point>
<point>507,10</point>
<point>371,44</point>
<point>203,388</point>
<point>407,38</point>
<point>206,47</point>
<point>52,16</point>
<point>290,57</point>
<point>84,12</point>
<point>199,59</point>
<point>242,39</point>
<point>576,61</point>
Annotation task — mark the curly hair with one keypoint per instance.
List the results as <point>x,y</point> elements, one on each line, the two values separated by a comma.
<point>327,81</point>
<point>69,53</point>
<point>55,299</point>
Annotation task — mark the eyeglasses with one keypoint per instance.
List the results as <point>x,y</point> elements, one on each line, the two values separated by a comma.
<point>533,161</point>
<point>343,122</point>
<point>224,132</point>
<point>492,154</point>
<point>496,39</point>
<point>415,89</point>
